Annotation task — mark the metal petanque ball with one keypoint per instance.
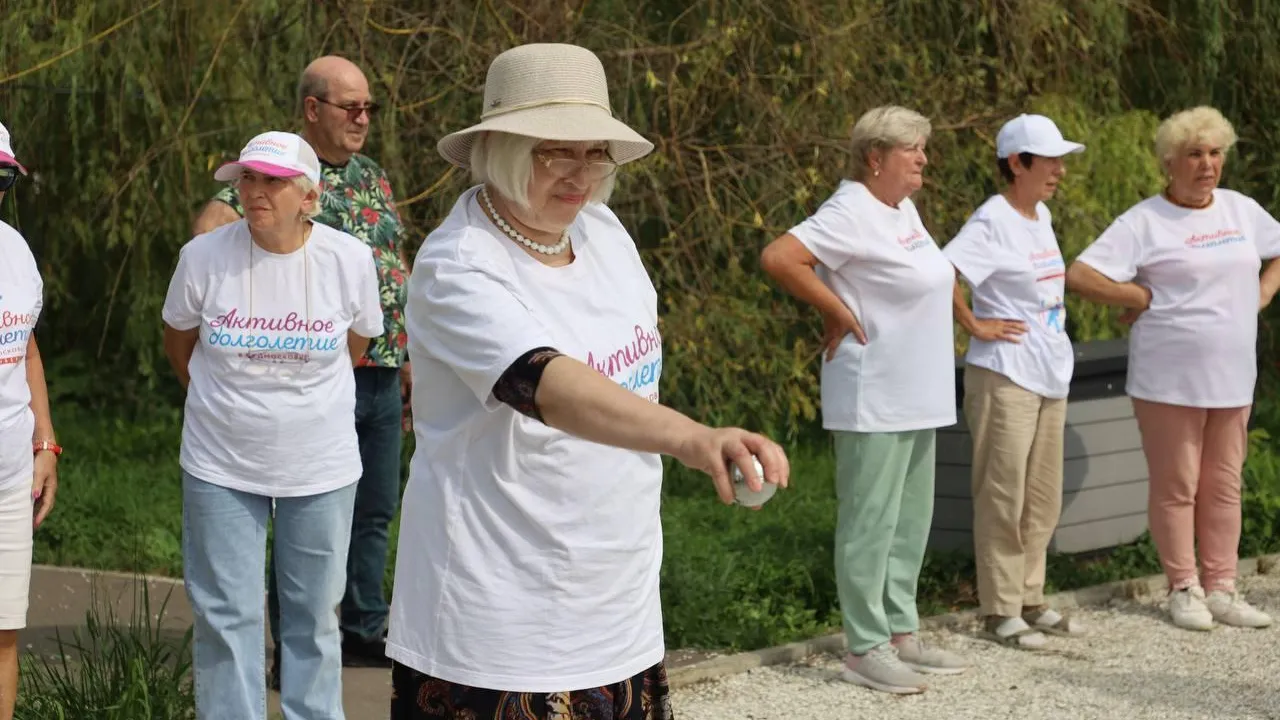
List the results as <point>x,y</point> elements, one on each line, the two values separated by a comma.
<point>742,493</point>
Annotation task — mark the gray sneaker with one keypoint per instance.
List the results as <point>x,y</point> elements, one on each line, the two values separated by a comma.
<point>880,669</point>
<point>924,659</point>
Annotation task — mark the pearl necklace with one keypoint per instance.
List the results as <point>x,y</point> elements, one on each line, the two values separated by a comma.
<point>514,235</point>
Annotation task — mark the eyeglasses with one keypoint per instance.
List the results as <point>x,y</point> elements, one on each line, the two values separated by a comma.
<point>568,167</point>
<point>353,110</point>
<point>8,176</point>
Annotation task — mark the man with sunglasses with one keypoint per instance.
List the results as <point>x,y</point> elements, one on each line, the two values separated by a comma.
<point>334,101</point>
<point>28,472</point>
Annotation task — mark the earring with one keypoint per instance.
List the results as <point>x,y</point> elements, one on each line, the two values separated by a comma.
<point>876,173</point>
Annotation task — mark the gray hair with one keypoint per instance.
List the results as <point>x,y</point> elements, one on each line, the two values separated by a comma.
<point>505,161</point>
<point>310,85</point>
<point>305,184</point>
<point>883,128</point>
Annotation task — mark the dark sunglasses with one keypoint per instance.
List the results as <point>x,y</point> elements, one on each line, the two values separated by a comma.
<point>353,111</point>
<point>8,176</point>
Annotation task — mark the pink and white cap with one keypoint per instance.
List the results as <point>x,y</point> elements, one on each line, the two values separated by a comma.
<point>279,154</point>
<point>6,150</point>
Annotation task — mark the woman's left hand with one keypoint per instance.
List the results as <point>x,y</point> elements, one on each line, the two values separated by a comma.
<point>44,488</point>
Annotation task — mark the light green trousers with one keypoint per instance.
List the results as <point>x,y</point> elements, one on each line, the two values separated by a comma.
<point>884,485</point>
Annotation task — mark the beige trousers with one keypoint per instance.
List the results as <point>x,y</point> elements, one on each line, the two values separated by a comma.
<point>1017,487</point>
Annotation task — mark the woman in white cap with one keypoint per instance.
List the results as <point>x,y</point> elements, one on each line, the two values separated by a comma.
<point>28,449</point>
<point>1017,373</point>
<point>888,382</point>
<point>1185,264</point>
<point>530,540</point>
<point>263,320</point>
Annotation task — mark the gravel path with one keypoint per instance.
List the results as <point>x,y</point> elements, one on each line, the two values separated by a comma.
<point>1133,664</point>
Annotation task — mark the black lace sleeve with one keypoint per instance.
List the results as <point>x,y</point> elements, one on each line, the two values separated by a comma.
<point>519,382</point>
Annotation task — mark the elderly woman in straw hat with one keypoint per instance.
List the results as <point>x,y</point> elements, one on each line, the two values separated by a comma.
<point>1186,265</point>
<point>530,540</point>
<point>887,384</point>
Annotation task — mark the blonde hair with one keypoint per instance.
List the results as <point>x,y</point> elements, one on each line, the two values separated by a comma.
<point>505,161</point>
<point>305,184</point>
<point>1188,127</point>
<point>883,128</point>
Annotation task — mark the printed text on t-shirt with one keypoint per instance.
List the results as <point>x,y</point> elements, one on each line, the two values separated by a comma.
<point>639,360</point>
<point>1048,265</point>
<point>914,241</point>
<point>15,328</point>
<point>1214,239</point>
<point>286,338</point>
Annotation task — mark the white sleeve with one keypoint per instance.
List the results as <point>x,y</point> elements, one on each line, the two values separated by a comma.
<point>366,310</point>
<point>1117,253</point>
<point>472,319</point>
<point>972,252</point>
<point>1266,231</point>
<point>830,233</point>
<point>185,299</point>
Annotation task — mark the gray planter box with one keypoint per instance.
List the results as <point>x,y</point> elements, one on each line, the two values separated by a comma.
<point>1104,471</point>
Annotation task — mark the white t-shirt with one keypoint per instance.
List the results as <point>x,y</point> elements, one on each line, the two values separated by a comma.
<point>1015,269</point>
<point>528,557</point>
<point>887,269</point>
<point>271,405</point>
<point>1195,345</point>
<point>21,299</point>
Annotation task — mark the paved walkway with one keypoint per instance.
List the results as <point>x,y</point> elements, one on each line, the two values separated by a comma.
<point>60,598</point>
<point>1134,664</point>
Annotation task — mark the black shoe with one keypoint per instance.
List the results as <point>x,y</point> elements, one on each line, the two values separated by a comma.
<point>364,652</point>
<point>273,675</point>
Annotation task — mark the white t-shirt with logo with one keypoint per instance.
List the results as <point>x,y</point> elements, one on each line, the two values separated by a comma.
<point>1016,272</point>
<point>1195,344</point>
<point>886,268</point>
<point>271,405</point>
<point>528,557</point>
<point>21,299</point>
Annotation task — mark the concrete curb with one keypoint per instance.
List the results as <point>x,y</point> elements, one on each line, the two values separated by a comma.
<point>1139,588</point>
<point>88,573</point>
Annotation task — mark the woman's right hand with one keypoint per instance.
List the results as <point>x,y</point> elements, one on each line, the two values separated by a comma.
<point>835,327</point>
<point>993,329</point>
<point>1131,315</point>
<point>712,449</point>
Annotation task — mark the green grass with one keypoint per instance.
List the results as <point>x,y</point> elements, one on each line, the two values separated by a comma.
<point>732,579</point>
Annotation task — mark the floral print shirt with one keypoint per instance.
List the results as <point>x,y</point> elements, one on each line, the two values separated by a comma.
<point>356,199</point>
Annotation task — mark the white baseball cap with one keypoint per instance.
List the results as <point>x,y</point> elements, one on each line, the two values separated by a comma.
<point>279,154</point>
<point>1035,134</point>
<point>6,150</point>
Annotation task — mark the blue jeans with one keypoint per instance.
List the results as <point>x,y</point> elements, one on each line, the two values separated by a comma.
<point>224,535</point>
<point>379,411</point>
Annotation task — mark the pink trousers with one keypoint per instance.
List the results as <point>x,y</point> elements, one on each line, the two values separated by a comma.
<point>1194,458</point>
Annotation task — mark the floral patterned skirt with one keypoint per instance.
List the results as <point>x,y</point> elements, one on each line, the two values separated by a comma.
<point>415,696</point>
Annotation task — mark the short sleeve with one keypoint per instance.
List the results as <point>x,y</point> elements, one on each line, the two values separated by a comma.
<point>1266,231</point>
<point>472,319</point>
<point>229,195</point>
<point>829,233</point>
<point>972,252</point>
<point>185,299</point>
<point>1117,253</point>
<point>366,311</point>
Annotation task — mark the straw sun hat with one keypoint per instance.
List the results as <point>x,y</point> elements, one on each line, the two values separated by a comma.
<point>550,92</point>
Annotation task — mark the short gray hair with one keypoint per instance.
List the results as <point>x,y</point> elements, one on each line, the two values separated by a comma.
<point>883,128</point>
<point>1199,124</point>
<point>310,85</point>
<point>304,182</point>
<point>505,161</point>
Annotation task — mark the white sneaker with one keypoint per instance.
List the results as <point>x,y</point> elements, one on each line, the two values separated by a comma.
<point>1229,608</point>
<point>881,669</point>
<point>1188,608</point>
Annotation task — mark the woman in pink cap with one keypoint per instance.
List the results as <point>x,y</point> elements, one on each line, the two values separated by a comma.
<point>263,320</point>
<point>28,450</point>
